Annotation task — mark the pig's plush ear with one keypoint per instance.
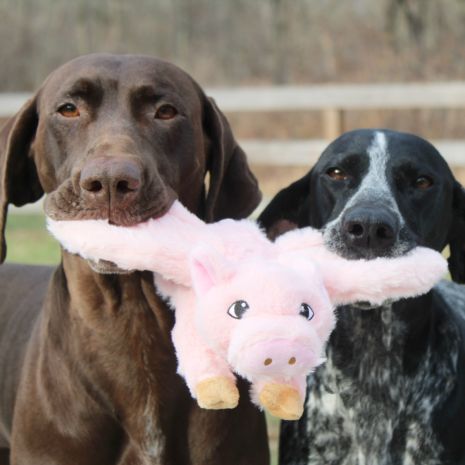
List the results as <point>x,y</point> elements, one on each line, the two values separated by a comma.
<point>208,269</point>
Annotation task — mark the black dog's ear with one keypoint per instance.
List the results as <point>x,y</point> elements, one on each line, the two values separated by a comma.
<point>19,183</point>
<point>233,189</point>
<point>457,236</point>
<point>289,208</point>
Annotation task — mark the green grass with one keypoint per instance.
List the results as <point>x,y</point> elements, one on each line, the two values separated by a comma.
<point>29,242</point>
<point>273,437</point>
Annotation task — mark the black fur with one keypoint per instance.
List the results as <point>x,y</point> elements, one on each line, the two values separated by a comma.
<point>393,389</point>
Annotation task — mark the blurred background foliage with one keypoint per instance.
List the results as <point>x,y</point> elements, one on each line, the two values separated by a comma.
<point>236,42</point>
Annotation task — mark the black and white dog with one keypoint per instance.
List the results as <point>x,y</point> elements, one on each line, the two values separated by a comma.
<point>393,389</point>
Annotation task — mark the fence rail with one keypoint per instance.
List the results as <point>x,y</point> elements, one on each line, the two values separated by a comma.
<point>306,152</point>
<point>332,101</point>
<point>342,96</point>
<point>449,94</point>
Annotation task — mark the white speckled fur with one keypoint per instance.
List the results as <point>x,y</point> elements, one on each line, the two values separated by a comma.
<point>362,399</point>
<point>374,187</point>
<point>338,412</point>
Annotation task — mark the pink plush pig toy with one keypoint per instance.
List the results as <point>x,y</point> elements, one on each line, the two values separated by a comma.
<point>244,304</point>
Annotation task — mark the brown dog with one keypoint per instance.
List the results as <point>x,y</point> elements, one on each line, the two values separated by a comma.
<point>87,367</point>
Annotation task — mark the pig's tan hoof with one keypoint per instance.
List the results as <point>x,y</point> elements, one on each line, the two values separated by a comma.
<point>282,401</point>
<point>217,393</point>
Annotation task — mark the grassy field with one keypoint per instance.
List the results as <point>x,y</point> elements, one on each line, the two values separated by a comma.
<point>29,242</point>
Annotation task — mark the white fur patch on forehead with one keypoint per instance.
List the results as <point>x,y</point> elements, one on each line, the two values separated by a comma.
<point>374,186</point>
<point>375,180</point>
<point>378,147</point>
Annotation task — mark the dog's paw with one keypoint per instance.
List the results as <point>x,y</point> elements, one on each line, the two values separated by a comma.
<point>217,393</point>
<point>282,401</point>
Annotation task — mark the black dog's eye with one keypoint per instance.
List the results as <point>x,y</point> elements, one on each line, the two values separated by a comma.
<point>306,311</point>
<point>69,110</point>
<point>166,111</point>
<point>423,182</point>
<point>238,308</point>
<point>337,173</point>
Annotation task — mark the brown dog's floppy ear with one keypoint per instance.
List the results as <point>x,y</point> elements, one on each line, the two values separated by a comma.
<point>19,183</point>
<point>233,191</point>
<point>457,236</point>
<point>288,209</point>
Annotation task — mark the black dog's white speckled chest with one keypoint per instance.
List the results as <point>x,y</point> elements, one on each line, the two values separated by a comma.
<point>372,403</point>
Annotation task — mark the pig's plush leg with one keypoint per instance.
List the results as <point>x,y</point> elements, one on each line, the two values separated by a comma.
<point>207,375</point>
<point>283,399</point>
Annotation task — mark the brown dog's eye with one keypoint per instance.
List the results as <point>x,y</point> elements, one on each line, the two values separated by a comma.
<point>166,112</point>
<point>423,182</point>
<point>69,110</point>
<point>337,174</point>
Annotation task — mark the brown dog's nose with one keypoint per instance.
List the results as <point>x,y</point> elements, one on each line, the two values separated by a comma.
<point>111,179</point>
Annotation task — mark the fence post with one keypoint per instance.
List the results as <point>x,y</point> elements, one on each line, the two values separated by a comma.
<point>333,123</point>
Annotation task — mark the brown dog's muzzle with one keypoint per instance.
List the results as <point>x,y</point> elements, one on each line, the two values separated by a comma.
<point>116,188</point>
<point>110,182</point>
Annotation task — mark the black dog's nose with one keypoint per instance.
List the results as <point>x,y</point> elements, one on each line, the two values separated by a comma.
<point>370,229</point>
<point>111,179</point>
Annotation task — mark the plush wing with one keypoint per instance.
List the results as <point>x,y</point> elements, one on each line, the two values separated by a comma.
<point>307,239</point>
<point>376,280</point>
<point>161,245</point>
<point>381,279</point>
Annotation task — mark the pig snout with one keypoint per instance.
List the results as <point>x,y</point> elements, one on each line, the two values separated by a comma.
<point>277,358</point>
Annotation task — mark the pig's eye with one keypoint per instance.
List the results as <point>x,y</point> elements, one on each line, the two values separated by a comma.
<point>306,311</point>
<point>238,308</point>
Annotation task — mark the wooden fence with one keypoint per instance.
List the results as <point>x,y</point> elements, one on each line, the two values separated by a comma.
<point>332,101</point>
